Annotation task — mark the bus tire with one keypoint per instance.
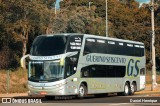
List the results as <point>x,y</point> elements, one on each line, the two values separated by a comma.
<point>133,88</point>
<point>126,90</point>
<point>82,92</point>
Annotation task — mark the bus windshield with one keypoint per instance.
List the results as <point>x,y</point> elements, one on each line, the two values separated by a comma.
<point>45,71</point>
<point>48,45</point>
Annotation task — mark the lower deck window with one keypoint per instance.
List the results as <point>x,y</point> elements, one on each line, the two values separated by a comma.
<point>103,71</point>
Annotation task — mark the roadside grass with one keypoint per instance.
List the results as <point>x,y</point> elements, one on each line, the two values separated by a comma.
<point>18,80</point>
<point>15,83</point>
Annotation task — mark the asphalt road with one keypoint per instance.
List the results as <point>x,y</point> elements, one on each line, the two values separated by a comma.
<point>142,98</point>
<point>113,98</point>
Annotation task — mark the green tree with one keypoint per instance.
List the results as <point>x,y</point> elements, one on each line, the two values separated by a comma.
<point>20,21</point>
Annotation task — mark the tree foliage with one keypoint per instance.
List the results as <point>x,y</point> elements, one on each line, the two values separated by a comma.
<point>22,20</point>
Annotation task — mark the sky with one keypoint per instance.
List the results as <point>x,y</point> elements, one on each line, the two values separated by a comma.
<point>143,1</point>
<point>140,1</point>
<point>57,4</point>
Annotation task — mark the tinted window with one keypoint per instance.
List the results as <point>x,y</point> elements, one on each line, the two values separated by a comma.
<point>93,45</point>
<point>111,47</point>
<point>70,69</point>
<point>48,45</point>
<point>103,71</point>
<point>142,71</point>
<point>71,65</point>
<point>89,46</point>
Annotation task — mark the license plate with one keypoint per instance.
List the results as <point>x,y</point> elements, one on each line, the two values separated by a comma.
<point>43,93</point>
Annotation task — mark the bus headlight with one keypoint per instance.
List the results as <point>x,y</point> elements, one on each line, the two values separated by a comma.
<point>61,84</point>
<point>62,61</point>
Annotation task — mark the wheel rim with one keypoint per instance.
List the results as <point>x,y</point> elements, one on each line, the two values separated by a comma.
<point>132,88</point>
<point>81,91</point>
<point>126,89</point>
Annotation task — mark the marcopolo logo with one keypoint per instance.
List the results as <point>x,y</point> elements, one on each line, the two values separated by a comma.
<point>132,68</point>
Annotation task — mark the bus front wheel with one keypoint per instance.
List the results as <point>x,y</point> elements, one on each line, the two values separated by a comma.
<point>82,91</point>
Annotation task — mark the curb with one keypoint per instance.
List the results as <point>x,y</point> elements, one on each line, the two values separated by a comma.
<point>147,92</point>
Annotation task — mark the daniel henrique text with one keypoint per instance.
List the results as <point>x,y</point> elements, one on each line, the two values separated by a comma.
<point>143,100</point>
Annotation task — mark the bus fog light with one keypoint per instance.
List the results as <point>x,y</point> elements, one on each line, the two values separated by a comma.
<point>75,79</point>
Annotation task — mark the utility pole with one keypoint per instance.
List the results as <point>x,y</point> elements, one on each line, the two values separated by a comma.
<point>106,19</point>
<point>154,84</point>
<point>55,9</point>
<point>90,5</point>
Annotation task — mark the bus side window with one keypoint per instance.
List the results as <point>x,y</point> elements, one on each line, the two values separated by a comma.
<point>88,47</point>
<point>70,69</point>
<point>85,72</point>
<point>142,71</point>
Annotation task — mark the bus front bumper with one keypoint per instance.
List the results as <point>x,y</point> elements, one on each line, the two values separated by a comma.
<point>51,91</point>
<point>46,90</point>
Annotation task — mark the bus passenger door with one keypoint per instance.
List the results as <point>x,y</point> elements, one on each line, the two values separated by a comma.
<point>142,78</point>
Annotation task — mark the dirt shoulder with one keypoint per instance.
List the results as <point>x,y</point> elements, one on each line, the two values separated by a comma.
<point>13,94</point>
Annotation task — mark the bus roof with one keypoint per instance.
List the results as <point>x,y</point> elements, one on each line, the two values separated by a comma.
<point>94,36</point>
<point>115,39</point>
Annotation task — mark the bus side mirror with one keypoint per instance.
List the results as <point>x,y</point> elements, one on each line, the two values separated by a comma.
<point>23,61</point>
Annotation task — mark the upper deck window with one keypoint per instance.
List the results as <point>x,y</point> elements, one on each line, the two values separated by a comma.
<point>96,45</point>
<point>48,45</point>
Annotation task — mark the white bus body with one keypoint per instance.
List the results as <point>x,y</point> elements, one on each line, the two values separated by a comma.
<point>81,64</point>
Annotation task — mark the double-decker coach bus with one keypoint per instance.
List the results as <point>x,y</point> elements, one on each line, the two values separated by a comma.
<point>81,64</point>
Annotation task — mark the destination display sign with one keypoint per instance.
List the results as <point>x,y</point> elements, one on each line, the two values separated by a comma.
<point>76,43</point>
